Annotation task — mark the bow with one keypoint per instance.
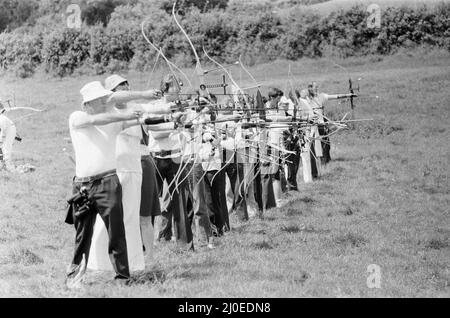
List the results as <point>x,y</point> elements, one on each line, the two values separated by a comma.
<point>34,110</point>
<point>350,87</point>
<point>171,65</point>
<point>248,73</point>
<point>199,70</point>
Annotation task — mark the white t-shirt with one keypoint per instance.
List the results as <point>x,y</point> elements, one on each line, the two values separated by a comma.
<point>94,146</point>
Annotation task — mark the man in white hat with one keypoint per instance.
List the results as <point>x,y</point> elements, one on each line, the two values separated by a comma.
<point>96,187</point>
<point>137,217</point>
<point>7,137</point>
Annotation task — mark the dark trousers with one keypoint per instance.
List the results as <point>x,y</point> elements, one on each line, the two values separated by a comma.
<point>106,194</point>
<point>214,194</point>
<point>197,206</point>
<point>257,188</point>
<point>326,145</point>
<point>314,169</point>
<point>177,208</point>
<point>267,192</point>
<point>150,205</point>
<point>235,173</point>
<point>293,170</point>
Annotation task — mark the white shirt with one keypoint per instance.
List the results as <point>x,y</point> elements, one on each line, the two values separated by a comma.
<point>305,109</point>
<point>165,141</point>
<point>318,103</point>
<point>211,160</point>
<point>169,140</point>
<point>277,127</point>
<point>286,104</point>
<point>94,146</point>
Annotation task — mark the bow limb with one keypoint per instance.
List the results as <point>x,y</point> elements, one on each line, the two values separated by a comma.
<point>182,73</point>
<point>248,72</point>
<point>34,110</point>
<point>28,108</point>
<point>225,70</point>
<point>199,69</point>
<point>171,65</point>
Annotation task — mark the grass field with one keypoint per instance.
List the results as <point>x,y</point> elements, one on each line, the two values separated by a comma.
<point>383,200</point>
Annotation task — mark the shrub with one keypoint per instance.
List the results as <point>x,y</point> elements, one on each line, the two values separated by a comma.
<point>64,50</point>
<point>20,52</point>
<point>224,28</point>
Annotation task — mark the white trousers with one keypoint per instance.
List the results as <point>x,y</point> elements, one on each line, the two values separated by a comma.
<point>7,143</point>
<point>131,200</point>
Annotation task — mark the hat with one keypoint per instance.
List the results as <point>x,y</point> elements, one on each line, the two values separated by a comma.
<point>113,81</point>
<point>275,92</point>
<point>93,91</point>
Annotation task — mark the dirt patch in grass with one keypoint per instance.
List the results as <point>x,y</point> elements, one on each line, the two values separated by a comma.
<point>348,211</point>
<point>304,276</point>
<point>264,245</point>
<point>291,229</point>
<point>294,212</point>
<point>151,277</point>
<point>307,200</point>
<point>351,239</point>
<point>25,257</point>
<point>437,244</point>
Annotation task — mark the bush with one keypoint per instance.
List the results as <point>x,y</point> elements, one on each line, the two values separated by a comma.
<point>226,31</point>
<point>65,50</point>
<point>20,52</point>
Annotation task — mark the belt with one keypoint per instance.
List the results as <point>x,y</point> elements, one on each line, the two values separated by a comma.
<point>166,153</point>
<point>95,178</point>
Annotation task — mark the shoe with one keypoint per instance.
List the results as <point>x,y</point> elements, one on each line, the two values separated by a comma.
<point>211,246</point>
<point>122,282</point>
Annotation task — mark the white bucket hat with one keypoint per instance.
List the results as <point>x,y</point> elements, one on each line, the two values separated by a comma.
<point>93,91</point>
<point>113,81</point>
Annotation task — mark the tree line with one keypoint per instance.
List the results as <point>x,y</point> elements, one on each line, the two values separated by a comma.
<point>227,29</point>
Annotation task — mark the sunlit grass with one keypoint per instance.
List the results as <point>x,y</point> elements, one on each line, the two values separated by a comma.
<point>383,199</point>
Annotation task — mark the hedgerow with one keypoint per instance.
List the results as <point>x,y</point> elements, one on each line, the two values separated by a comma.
<point>226,34</point>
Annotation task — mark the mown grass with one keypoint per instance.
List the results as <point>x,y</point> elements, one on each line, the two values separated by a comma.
<point>383,199</point>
